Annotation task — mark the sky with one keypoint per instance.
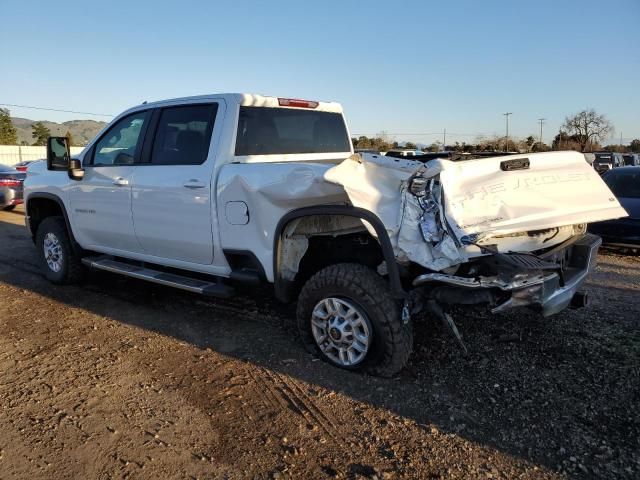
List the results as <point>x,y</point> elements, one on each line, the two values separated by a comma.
<point>407,68</point>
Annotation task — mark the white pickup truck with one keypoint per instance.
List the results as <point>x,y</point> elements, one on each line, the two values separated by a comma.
<point>204,193</point>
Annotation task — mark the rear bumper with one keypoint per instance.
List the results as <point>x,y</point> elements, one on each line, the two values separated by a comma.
<point>10,196</point>
<point>549,291</point>
<point>582,261</point>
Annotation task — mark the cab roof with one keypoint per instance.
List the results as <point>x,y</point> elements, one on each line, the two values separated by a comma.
<point>251,100</point>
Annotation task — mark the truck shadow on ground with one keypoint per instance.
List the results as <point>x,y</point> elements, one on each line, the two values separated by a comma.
<point>539,389</point>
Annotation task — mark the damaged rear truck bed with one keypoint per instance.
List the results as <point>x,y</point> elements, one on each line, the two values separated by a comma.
<point>205,193</point>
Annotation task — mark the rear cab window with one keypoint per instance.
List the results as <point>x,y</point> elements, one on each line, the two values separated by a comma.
<point>282,131</point>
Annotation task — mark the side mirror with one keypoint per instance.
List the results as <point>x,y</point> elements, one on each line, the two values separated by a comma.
<point>76,172</point>
<point>58,154</point>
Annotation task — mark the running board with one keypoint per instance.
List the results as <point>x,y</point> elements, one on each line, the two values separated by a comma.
<point>203,287</point>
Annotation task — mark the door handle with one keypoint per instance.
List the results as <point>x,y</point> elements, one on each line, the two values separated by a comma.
<point>194,184</point>
<point>121,182</point>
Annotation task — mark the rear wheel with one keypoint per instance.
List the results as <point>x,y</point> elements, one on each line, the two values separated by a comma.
<point>60,263</point>
<point>346,314</point>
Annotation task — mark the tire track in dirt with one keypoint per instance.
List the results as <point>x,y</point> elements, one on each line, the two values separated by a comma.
<point>290,395</point>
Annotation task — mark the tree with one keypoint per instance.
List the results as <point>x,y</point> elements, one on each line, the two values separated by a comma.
<point>540,147</point>
<point>8,135</point>
<point>634,146</point>
<point>434,147</point>
<point>616,148</point>
<point>588,127</point>
<point>410,145</point>
<point>69,138</point>
<point>530,142</point>
<point>380,143</point>
<point>564,141</point>
<point>40,133</point>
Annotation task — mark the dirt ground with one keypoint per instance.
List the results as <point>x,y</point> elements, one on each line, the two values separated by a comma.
<point>119,378</point>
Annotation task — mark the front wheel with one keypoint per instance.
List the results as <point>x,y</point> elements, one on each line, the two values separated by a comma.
<point>60,263</point>
<point>347,314</point>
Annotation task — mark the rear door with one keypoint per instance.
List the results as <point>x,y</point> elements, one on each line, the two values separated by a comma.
<point>173,193</point>
<point>101,201</point>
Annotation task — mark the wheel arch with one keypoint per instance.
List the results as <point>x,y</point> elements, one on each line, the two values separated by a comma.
<point>42,205</point>
<point>284,288</point>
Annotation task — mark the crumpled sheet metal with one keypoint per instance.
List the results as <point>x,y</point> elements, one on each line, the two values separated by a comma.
<point>480,200</point>
<point>379,184</point>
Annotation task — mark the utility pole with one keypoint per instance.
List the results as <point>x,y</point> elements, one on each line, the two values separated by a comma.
<point>541,121</point>
<point>621,139</point>
<point>506,143</point>
<point>444,140</point>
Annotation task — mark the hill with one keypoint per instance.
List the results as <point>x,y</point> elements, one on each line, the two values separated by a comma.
<point>81,130</point>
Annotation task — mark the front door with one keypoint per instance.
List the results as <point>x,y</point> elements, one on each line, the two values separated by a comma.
<point>173,195</point>
<point>101,201</point>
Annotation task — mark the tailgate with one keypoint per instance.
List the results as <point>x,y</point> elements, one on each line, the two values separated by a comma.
<point>556,188</point>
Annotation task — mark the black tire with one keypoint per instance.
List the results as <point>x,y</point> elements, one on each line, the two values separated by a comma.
<point>392,340</point>
<point>8,208</point>
<point>71,268</point>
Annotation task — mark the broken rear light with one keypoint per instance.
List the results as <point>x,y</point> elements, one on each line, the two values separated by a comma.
<point>295,102</point>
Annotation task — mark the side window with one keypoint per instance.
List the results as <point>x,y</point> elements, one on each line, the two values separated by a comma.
<point>183,135</point>
<point>119,145</point>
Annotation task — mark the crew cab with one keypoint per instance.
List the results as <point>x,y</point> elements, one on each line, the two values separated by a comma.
<point>206,193</point>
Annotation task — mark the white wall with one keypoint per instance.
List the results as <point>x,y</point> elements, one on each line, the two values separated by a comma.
<point>12,154</point>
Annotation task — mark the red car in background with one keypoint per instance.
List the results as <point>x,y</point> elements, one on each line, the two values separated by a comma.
<point>11,189</point>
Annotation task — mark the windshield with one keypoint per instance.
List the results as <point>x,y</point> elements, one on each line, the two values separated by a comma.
<point>279,131</point>
<point>624,184</point>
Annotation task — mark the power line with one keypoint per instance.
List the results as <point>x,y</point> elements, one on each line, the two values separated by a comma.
<point>417,134</point>
<point>506,142</point>
<point>56,110</point>
<point>541,122</point>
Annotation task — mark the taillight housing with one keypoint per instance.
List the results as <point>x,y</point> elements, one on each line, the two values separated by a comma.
<point>296,102</point>
<point>10,182</point>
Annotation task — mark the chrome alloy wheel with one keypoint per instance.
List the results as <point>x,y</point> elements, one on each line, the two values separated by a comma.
<point>52,252</point>
<point>341,330</point>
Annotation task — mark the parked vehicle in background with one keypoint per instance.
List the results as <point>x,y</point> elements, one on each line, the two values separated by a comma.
<point>625,185</point>
<point>11,184</point>
<point>631,159</point>
<point>403,153</point>
<point>22,166</point>
<point>589,157</point>
<point>605,161</point>
<point>204,193</point>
